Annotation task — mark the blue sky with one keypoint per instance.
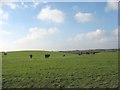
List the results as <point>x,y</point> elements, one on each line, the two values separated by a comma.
<point>58,25</point>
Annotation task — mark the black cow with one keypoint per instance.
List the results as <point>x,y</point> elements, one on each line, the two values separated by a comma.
<point>31,56</point>
<point>79,54</point>
<point>93,52</point>
<point>63,55</point>
<point>5,53</point>
<point>47,55</point>
<point>87,53</point>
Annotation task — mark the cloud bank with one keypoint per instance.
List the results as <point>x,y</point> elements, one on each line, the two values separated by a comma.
<point>96,39</point>
<point>38,33</point>
<point>83,17</point>
<point>111,5</point>
<point>53,15</point>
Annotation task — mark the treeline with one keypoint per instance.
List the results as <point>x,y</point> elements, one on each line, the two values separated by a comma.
<point>90,51</point>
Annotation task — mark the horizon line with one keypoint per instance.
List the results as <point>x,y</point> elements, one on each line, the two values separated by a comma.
<point>56,50</point>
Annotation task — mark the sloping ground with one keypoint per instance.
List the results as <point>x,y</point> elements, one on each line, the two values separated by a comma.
<point>71,71</point>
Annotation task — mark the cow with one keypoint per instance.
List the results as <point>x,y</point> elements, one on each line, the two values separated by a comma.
<point>93,52</point>
<point>63,55</point>
<point>5,53</point>
<point>47,55</point>
<point>80,53</point>
<point>87,53</point>
<point>31,56</point>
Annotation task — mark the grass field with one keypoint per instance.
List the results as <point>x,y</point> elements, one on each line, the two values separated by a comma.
<point>71,71</point>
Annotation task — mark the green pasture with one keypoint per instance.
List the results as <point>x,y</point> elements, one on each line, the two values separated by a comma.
<point>72,71</point>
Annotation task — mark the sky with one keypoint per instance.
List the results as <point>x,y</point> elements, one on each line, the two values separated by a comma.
<point>58,25</point>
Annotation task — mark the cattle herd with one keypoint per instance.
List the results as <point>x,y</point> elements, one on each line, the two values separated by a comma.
<point>48,55</point>
<point>88,53</point>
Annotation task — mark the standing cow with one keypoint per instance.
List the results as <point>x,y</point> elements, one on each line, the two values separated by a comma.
<point>93,52</point>
<point>87,53</point>
<point>63,55</point>
<point>47,55</point>
<point>31,56</point>
<point>5,53</point>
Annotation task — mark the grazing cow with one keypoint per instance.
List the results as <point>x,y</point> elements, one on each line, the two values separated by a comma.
<point>5,53</point>
<point>47,55</point>
<point>79,54</point>
<point>87,53</point>
<point>31,56</point>
<point>63,55</point>
<point>93,52</point>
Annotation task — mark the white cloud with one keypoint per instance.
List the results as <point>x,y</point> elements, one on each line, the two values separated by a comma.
<point>111,5</point>
<point>3,33</point>
<point>12,5</point>
<point>9,3</point>
<point>3,15</point>
<point>96,39</point>
<point>24,5</point>
<point>83,17</point>
<point>95,35</point>
<point>38,33</point>
<point>38,2</point>
<point>35,4</point>
<point>40,39</point>
<point>52,15</point>
<point>116,32</point>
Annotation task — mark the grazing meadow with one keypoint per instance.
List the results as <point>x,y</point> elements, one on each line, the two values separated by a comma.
<point>58,71</point>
